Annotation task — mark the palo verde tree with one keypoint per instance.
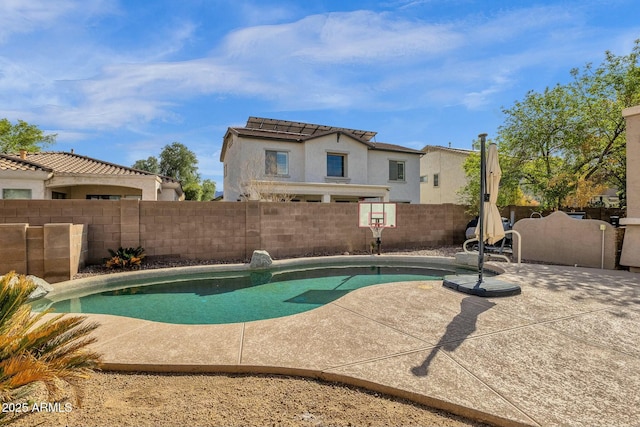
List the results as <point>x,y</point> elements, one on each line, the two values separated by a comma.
<point>571,138</point>
<point>22,136</point>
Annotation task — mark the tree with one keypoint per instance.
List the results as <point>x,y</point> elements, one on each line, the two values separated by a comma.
<point>256,185</point>
<point>510,192</point>
<point>178,162</point>
<point>603,93</point>
<point>208,190</point>
<point>571,137</point>
<point>22,136</point>
<point>34,348</point>
<point>535,135</point>
<point>150,165</point>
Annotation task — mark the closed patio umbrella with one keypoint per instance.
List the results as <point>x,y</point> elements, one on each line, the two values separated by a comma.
<point>493,230</point>
<point>489,230</point>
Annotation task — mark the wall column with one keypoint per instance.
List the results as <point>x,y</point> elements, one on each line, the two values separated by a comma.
<point>13,251</point>
<point>631,244</point>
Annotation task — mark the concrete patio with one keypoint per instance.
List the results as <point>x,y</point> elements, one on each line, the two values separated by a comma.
<point>564,352</point>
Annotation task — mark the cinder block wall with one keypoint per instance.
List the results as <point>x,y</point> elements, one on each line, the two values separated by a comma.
<point>54,252</point>
<point>231,231</point>
<point>13,248</point>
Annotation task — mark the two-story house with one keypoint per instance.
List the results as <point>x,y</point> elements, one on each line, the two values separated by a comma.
<point>442,174</point>
<point>272,159</point>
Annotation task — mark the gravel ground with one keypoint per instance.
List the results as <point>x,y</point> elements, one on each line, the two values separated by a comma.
<point>119,399</point>
<point>94,270</point>
<point>143,399</point>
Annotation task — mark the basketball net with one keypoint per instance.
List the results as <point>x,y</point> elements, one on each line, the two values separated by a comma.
<point>376,229</point>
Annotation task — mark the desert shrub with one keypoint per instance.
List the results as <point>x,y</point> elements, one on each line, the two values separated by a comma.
<point>125,257</point>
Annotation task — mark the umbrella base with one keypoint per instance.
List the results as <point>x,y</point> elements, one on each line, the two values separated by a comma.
<point>490,286</point>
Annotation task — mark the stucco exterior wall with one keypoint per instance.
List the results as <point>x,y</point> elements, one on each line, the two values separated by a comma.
<point>33,181</point>
<point>560,239</point>
<point>77,187</point>
<point>245,160</point>
<point>449,167</point>
<point>316,151</point>
<point>631,244</point>
<point>407,191</point>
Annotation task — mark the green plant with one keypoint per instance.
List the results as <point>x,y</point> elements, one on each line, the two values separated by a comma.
<point>37,347</point>
<point>125,257</point>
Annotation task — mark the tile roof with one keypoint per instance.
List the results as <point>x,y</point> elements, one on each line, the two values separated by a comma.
<point>74,163</point>
<point>8,162</point>
<point>63,162</point>
<point>431,148</point>
<point>394,147</point>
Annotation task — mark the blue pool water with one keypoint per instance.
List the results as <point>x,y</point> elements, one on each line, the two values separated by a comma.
<point>243,298</point>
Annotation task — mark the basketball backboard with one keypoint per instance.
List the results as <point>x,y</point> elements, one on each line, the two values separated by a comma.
<point>376,214</point>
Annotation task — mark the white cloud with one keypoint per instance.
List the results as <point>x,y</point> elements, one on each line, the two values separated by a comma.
<point>19,16</point>
<point>354,37</point>
<point>360,59</point>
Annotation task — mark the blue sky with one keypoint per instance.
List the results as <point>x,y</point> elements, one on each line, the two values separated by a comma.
<point>119,80</point>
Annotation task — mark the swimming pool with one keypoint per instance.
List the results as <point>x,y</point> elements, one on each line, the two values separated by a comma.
<point>231,297</point>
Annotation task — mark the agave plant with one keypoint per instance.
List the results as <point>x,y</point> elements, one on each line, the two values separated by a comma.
<point>125,257</point>
<point>38,347</point>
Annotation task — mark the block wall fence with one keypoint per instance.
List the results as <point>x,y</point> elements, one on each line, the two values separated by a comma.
<point>231,231</point>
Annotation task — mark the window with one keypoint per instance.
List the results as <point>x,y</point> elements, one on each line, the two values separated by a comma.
<point>276,163</point>
<point>396,170</point>
<point>336,164</point>
<point>424,178</point>
<point>16,193</point>
<point>436,180</point>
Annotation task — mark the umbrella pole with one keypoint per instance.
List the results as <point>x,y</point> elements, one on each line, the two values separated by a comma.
<point>483,185</point>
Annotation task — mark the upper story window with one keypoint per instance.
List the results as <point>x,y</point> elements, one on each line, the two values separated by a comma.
<point>276,163</point>
<point>396,170</point>
<point>436,180</point>
<point>16,193</point>
<point>336,164</point>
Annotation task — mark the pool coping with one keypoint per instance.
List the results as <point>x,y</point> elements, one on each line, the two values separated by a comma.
<point>89,284</point>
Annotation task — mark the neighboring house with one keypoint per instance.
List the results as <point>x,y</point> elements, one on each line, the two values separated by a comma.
<point>608,199</point>
<point>282,160</point>
<point>442,174</point>
<point>59,175</point>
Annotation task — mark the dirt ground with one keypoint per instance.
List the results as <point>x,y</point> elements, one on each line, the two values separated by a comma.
<point>122,399</point>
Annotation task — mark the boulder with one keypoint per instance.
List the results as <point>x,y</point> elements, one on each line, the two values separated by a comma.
<point>260,259</point>
<point>42,289</point>
<point>42,286</point>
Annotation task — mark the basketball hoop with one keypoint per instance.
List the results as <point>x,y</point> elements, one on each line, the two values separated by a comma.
<point>377,216</point>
